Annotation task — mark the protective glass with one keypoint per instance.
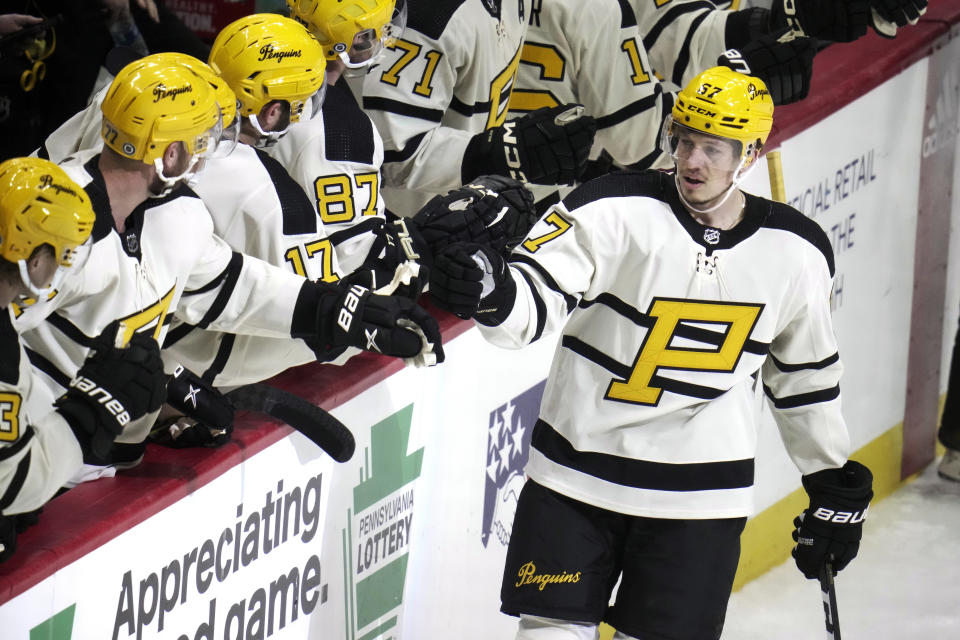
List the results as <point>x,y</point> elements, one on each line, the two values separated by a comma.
<point>229,136</point>
<point>684,143</point>
<point>367,47</point>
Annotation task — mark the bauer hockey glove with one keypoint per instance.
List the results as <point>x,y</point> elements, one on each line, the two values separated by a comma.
<point>353,316</point>
<point>785,67</point>
<point>114,387</point>
<point>473,281</point>
<point>207,419</point>
<point>491,210</point>
<point>833,20</point>
<point>888,15</point>
<point>829,529</point>
<point>546,146</point>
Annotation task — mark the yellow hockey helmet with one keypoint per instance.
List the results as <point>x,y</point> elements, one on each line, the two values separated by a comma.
<point>40,204</point>
<point>364,27</point>
<point>226,99</point>
<point>266,57</point>
<point>149,106</point>
<point>724,103</point>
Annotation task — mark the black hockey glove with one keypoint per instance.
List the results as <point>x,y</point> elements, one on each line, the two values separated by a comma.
<point>395,242</point>
<point>888,15</point>
<point>112,388</point>
<point>207,419</point>
<point>353,316</point>
<point>8,537</point>
<point>473,281</point>
<point>785,67</point>
<point>546,146</point>
<point>491,210</point>
<point>829,529</point>
<point>833,20</point>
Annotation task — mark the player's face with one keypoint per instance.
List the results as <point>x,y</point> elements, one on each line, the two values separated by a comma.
<point>706,166</point>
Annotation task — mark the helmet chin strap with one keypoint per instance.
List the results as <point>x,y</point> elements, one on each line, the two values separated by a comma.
<point>171,182</point>
<point>39,292</point>
<point>267,138</point>
<point>726,195</point>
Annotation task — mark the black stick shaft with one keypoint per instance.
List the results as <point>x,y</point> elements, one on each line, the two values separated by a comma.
<point>829,593</point>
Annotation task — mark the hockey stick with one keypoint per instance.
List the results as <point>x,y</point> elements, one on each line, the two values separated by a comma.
<point>829,594</point>
<point>775,173</point>
<point>320,427</point>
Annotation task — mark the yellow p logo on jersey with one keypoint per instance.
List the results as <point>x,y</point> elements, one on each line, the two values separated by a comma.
<point>657,353</point>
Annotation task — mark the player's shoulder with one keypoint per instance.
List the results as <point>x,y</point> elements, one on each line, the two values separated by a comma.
<point>619,184</point>
<point>296,208</point>
<point>783,217</point>
<point>9,350</point>
<point>348,131</point>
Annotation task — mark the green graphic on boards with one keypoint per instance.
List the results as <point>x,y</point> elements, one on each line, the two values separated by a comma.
<point>59,627</point>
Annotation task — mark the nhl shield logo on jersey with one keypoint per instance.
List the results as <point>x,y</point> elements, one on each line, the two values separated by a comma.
<point>711,235</point>
<point>508,448</point>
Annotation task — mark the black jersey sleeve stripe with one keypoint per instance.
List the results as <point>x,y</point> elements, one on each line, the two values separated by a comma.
<point>538,304</point>
<point>213,284</point>
<point>642,474</point>
<point>220,360</point>
<point>16,482</point>
<point>469,110</point>
<point>803,399</point>
<point>627,17</point>
<point>632,109</point>
<point>364,226</point>
<point>298,214</point>
<point>685,388</point>
<point>9,349</point>
<point>790,368</point>
<point>595,356</point>
<point>389,105</point>
<point>8,452</point>
<point>226,290</point>
<point>177,334</point>
<point>683,58</point>
<point>41,363</point>
<point>408,150</point>
<point>70,330</point>
<point>672,14</point>
<point>570,300</point>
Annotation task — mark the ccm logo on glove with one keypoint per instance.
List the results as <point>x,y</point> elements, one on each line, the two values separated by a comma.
<point>511,151</point>
<point>350,302</point>
<point>840,517</point>
<point>91,388</point>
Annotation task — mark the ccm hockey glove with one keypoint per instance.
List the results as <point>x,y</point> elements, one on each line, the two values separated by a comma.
<point>887,15</point>
<point>473,281</point>
<point>829,529</point>
<point>113,387</point>
<point>833,20</point>
<point>785,67</point>
<point>491,210</point>
<point>353,316</point>
<point>546,146</point>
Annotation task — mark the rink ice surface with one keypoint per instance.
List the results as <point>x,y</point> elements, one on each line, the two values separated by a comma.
<point>904,584</point>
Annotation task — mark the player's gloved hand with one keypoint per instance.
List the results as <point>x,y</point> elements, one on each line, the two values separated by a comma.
<point>8,537</point>
<point>207,419</point>
<point>830,528</point>
<point>395,243</point>
<point>113,387</point>
<point>473,281</point>
<point>353,316</point>
<point>887,15</point>
<point>546,146</point>
<point>491,210</point>
<point>833,20</point>
<point>785,67</point>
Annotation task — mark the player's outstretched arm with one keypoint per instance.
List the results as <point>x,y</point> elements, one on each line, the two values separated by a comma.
<point>114,386</point>
<point>829,529</point>
<point>546,146</point>
<point>353,316</point>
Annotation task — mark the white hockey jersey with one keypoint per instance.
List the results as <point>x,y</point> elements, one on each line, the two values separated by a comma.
<point>38,452</point>
<point>681,37</point>
<point>447,78</point>
<point>650,407</point>
<point>167,262</point>
<point>595,58</point>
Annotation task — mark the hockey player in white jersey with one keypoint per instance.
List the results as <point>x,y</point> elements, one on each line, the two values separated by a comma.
<point>673,292</point>
<point>155,255</point>
<point>45,225</point>
<point>439,97</point>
